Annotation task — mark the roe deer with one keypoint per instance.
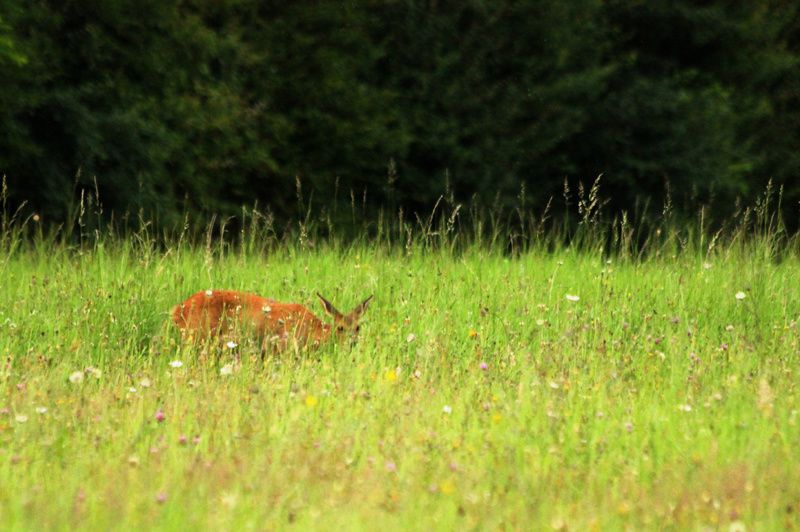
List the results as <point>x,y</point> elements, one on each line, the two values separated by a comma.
<point>222,312</point>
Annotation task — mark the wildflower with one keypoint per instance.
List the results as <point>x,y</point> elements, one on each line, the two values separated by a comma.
<point>629,426</point>
<point>225,370</point>
<point>737,526</point>
<point>183,440</point>
<point>160,416</point>
<point>391,467</point>
<point>76,377</point>
<point>554,385</point>
<point>145,383</point>
<point>484,366</point>
<point>390,375</point>
<point>740,295</point>
<point>94,372</point>
<point>176,363</point>
<point>20,418</point>
<point>473,333</point>
<point>229,500</point>
<point>572,298</point>
<point>411,337</point>
<point>41,410</point>
<point>685,408</point>
<point>133,460</point>
<point>131,390</point>
<point>447,409</point>
<point>707,265</point>
<point>447,487</point>
<point>729,328</point>
<point>231,345</point>
<point>311,401</point>
<point>161,497</point>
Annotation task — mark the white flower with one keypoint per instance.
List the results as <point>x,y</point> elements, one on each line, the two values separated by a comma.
<point>737,526</point>
<point>176,363</point>
<point>21,418</point>
<point>145,383</point>
<point>131,390</point>
<point>231,344</point>
<point>41,409</point>
<point>707,265</point>
<point>76,377</point>
<point>94,372</point>
<point>572,298</point>
<point>554,385</point>
<point>447,409</point>
<point>411,337</point>
<point>685,408</point>
<point>740,295</point>
<point>227,369</point>
<point>229,500</point>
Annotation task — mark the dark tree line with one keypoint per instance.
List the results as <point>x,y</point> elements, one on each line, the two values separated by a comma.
<point>168,105</point>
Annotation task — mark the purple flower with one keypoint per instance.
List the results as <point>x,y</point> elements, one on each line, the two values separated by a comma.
<point>160,416</point>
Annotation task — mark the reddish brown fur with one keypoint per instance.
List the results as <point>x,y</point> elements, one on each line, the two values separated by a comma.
<point>228,312</point>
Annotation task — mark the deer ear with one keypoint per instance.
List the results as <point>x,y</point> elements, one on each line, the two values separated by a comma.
<point>361,307</point>
<point>328,306</point>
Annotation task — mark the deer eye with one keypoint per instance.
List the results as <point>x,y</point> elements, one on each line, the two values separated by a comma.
<point>358,328</point>
<point>340,328</point>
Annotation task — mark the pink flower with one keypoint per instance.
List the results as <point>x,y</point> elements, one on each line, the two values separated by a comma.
<point>391,467</point>
<point>160,416</point>
<point>161,497</point>
<point>484,366</point>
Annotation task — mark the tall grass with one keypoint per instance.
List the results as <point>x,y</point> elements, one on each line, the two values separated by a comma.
<point>660,394</point>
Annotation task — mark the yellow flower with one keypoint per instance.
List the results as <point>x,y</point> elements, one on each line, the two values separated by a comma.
<point>390,375</point>
<point>496,418</point>
<point>311,401</point>
<point>447,487</point>
<point>473,333</point>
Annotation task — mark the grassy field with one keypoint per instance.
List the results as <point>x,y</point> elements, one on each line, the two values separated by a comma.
<point>558,388</point>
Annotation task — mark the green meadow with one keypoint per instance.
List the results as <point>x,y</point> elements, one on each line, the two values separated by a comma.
<point>568,383</point>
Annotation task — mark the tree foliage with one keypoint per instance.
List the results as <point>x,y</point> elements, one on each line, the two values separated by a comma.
<point>167,105</point>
